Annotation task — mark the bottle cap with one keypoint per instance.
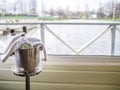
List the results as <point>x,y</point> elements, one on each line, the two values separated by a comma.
<point>12,31</point>
<point>24,29</point>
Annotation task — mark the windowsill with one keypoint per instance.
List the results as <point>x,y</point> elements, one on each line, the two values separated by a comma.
<point>83,60</point>
<point>73,60</point>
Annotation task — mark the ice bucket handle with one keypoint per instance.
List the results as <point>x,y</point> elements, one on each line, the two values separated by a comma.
<point>42,48</point>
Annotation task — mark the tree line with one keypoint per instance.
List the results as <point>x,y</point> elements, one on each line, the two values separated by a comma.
<point>108,10</point>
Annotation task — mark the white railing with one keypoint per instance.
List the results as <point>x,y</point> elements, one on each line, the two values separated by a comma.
<point>112,26</point>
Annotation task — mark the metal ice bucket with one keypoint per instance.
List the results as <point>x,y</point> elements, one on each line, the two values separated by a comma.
<point>28,59</point>
<point>27,56</point>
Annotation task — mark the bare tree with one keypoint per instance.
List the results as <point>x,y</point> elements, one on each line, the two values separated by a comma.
<point>78,12</point>
<point>110,8</point>
<point>107,10</point>
<point>3,7</point>
<point>100,11</point>
<point>51,11</point>
<point>60,12</point>
<point>33,6</point>
<point>87,11</point>
<point>117,10</point>
<point>67,12</point>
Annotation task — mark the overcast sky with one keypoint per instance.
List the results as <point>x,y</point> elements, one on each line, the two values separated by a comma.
<point>72,4</point>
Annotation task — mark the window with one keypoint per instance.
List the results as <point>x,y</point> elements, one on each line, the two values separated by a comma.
<point>66,27</point>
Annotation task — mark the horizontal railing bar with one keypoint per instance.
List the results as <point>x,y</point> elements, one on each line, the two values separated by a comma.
<point>63,23</point>
<point>82,23</point>
<point>20,23</point>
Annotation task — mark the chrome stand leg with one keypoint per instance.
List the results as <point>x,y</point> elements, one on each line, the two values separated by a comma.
<point>27,81</point>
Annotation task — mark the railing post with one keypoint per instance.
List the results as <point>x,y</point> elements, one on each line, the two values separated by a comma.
<point>42,33</point>
<point>113,37</point>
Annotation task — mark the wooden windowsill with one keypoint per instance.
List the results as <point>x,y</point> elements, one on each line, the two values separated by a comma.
<point>73,60</point>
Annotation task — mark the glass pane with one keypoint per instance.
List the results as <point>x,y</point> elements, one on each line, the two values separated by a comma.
<point>73,37</point>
